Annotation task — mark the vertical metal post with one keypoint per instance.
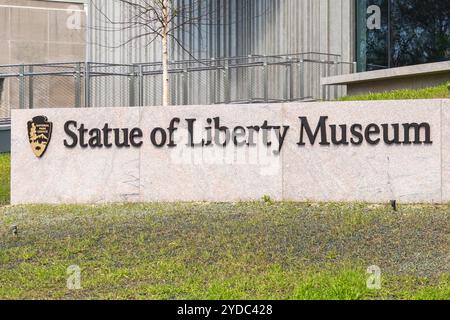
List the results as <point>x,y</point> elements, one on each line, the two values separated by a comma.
<point>253,81</point>
<point>291,81</point>
<point>22,87</point>
<point>328,88</point>
<point>301,79</point>
<point>141,86</point>
<point>212,83</point>
<point>286,84</point>
<point>78,85</point>
<point>341,72</point>
<point>336,73</point>
<point>265,82</point>
<point>227,84</point>
<point>249,83</point>
<point>87,85</point>
<point>185,87</point>
<point>132,86</point>
<point>324,75</point>
<point>30,88</point>
<point>288,88</point>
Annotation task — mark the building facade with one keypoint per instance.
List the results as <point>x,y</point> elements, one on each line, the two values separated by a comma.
<point>315,33</point>
<point>248,51</point>
<point>237,28</point>
<point>401,44</point>
<point>398,33</point>
<point>370,34</point>
<point>378,34</point>
<point>39,32</point>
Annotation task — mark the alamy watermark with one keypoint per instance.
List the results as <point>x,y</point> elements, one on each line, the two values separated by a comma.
<point>74,277</point>
<point>74,20</point>
<point>374,279</point>
<point>260,150</point>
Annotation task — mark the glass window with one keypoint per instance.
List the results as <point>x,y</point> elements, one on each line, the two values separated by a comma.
<point>395,33</point>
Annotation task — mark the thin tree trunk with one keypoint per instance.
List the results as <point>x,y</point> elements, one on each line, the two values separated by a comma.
<point>165,54</point>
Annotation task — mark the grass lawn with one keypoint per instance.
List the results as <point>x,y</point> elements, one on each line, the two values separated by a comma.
<point>254,250</point>
<point>4,178</point>
<point>438,92</point>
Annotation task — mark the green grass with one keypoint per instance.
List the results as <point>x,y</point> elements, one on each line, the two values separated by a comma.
<point>438,92</point>
<point>225,251</point>
<point>251,250</point>
<point>4,178</point>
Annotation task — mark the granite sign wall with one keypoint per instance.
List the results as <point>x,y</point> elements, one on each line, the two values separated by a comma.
<point>352,151</point>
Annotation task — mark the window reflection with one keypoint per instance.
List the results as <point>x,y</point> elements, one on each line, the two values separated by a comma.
<point>395,33</point>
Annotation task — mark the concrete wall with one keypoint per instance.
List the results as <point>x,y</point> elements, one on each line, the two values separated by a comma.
<point>38,31</point>
<point>414,82</point>
<point>409,77</point>
<point>364,172</point>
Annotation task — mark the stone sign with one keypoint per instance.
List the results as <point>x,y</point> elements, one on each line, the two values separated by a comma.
<point>337,151</point>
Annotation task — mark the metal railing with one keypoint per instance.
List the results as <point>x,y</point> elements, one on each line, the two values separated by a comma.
<point>250,79</point>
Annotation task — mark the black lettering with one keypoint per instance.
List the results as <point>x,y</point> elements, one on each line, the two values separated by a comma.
<point>71,134</point>
<point>106,131</point>
<point>209,138</point>
<point>266,129</point>
<point>219,130</point>
<point>252,130</point>
<point>121,144</point>
<point>321,127</point>
<point>417,130</point>
<point>396,138</point>
<point>163,139</point>
<point>239,132</point>
<point>357,136</point>
<point>191,143</point>
<point>95,140</point>
<point>172,128</point>
<point>82,131</point>
<point>135,134</point>
<point>343,140</point>
<point>281,137</point>
<point>372,129</point>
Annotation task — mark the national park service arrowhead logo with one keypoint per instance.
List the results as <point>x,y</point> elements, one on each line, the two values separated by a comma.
<point>39,134</point>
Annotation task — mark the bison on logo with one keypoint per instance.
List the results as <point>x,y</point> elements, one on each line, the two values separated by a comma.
<point>39,134</point>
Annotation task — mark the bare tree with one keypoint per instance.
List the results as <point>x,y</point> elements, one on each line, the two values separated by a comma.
<point>158,20</point>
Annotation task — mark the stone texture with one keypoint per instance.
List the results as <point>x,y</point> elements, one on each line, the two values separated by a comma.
<point>409,77</point>
<point>407,173</point>
<point>36,32</point>
<point>4,53</point>
<point>365,173</point>
<point>28,52</point>
<point>386,74</point>
<point>4,24</point>
<point>59,30</point>
<point>413,82</point>
<point>28,24</point>
<point>76,175</point>
<point>187,175</point>
<point>65,52</point>
<point>40,3</point>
